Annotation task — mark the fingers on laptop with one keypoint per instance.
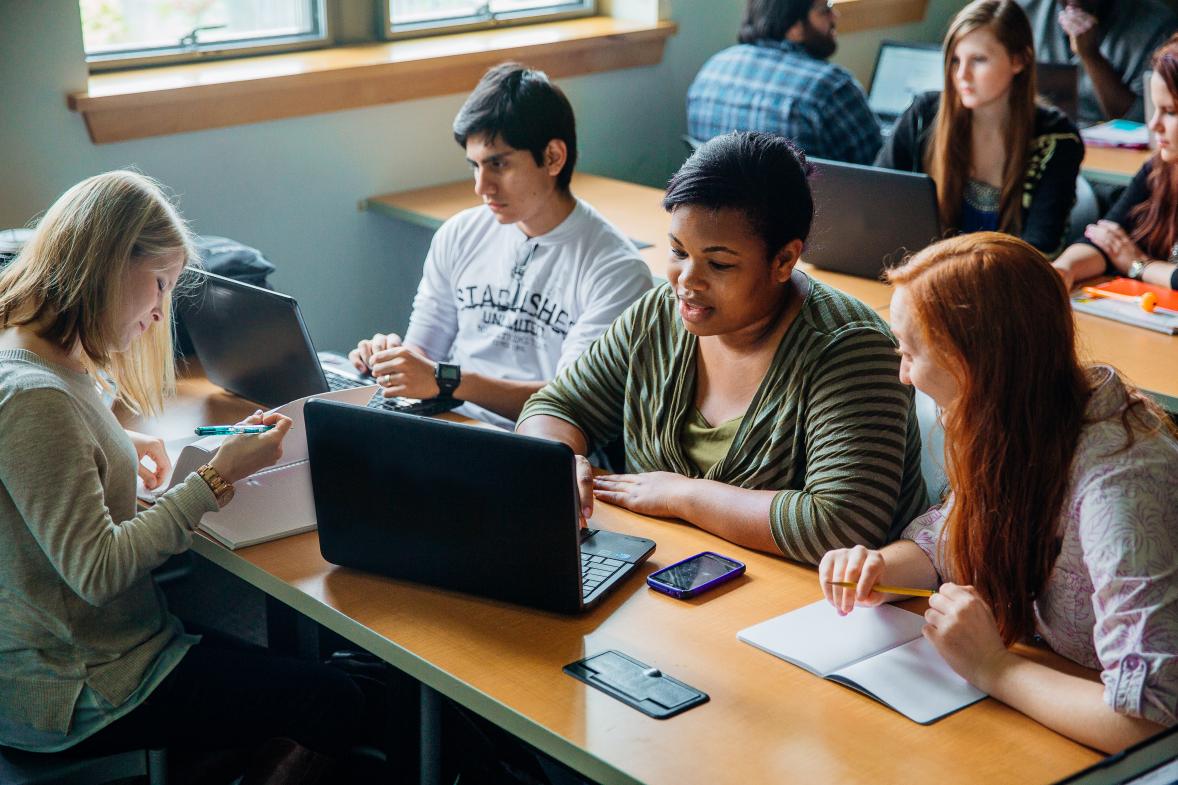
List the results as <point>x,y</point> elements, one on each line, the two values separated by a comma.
<point>361,356</point>
<point>585,488</point>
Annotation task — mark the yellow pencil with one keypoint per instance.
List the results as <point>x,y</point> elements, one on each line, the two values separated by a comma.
<point>882,589</point>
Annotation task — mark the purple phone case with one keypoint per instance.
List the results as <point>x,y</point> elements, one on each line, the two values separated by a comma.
<point>683,594</point>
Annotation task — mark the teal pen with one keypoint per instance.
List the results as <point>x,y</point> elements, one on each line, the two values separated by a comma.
<point>230,430</point>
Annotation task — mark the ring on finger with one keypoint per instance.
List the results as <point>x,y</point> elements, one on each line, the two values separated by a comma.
<point>386,379</point>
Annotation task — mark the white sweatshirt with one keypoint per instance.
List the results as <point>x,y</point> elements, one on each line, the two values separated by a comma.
<point>499,303</point>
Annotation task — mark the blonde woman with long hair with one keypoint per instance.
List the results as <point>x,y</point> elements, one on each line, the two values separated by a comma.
<point>90,658</point>
<point>1001,160</point>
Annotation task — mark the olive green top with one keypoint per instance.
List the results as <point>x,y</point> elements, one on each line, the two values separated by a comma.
<point>705,444</point>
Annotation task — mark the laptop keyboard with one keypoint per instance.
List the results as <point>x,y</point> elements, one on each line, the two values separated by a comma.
<point>424,407</point>
<point>596,570</point>
<point>337,381</point>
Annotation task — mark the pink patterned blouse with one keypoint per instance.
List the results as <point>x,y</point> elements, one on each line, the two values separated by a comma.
<point>1111,602</point>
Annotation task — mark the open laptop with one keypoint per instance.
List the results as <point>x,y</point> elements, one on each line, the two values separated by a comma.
<point>473,509</point>
<point>867,219</point>
<point>903,70</point>
<point>253,342</point>
<point>1059,85</point>
<point>1150,762</point>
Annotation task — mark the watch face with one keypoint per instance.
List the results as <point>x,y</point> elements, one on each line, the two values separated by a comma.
<point>448,373</point>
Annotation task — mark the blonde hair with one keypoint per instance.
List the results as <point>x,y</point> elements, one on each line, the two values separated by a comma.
<point>947,158</point>
<point>69,279</point>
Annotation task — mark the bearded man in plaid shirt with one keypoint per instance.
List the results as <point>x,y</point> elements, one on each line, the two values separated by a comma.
<point>778,80</point>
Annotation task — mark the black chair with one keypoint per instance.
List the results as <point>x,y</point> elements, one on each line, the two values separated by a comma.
<point>32,768</point>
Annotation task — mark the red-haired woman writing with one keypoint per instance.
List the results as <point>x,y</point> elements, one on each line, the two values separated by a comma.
<point>1139,235</point>
<point>1000,161</point>
<point>1060,517</point>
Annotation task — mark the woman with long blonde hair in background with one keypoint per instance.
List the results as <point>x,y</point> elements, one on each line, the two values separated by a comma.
<point>1000,160</point>
<point>1060,518</point>
<point>91,661</point>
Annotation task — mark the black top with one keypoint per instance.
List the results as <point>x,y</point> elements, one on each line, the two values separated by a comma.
<point>1049,188</point>
<point>1137,192</point>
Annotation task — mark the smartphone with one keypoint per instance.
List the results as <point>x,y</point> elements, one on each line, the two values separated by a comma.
<point>695,575</point>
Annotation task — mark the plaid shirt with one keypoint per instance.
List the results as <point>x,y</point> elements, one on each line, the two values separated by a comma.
<point>776,86</point>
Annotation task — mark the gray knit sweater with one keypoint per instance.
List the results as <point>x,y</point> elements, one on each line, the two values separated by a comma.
<point>78,605</point>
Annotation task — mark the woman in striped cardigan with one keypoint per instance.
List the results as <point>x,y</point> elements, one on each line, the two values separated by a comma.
<point>754,402</point>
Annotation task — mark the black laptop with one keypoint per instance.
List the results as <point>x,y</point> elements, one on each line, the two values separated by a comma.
<point>473,509</point>
<point>253,342</point>
<point>1150,762</point>
<point>867,219</point>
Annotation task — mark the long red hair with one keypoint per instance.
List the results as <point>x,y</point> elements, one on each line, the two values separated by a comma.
<point>947,158</point>
<point>1157,217</point>
<point>997,317</point>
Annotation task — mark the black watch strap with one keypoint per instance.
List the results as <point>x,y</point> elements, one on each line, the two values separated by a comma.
<point>448,376</point>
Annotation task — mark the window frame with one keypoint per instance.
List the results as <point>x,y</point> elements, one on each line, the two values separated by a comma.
<point>322,11</point>
<point>574,10</point>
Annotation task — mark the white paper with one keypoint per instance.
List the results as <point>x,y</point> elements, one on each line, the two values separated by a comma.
<point>878,651</point>
<point>819,640</point>
<point>913,679</point>
<point>275,502</point>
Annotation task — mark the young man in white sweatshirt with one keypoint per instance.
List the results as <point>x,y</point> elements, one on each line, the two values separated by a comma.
<point>517,288</point>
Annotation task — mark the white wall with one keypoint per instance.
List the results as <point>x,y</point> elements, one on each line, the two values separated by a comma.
<point>290,187</point>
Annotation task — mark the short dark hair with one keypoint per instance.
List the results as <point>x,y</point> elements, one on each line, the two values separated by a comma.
<point>771,19</point>
<point>763,175</point>
<point>525,110</point>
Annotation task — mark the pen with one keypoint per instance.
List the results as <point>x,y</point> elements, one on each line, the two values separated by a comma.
<point>882,589</point>
<point>1147,302</point>
<point>230,430</point>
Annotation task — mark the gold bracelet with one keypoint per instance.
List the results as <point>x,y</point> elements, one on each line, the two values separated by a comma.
<point>222,489</point>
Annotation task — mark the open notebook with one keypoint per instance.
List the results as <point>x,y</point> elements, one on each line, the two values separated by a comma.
<point>878,651</point>
<point>274,502</point>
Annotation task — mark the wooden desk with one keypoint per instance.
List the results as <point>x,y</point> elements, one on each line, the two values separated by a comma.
<point>767,721</point>
<point>1147,359</point>
<point>1112,165</point>
<point>636,210</point>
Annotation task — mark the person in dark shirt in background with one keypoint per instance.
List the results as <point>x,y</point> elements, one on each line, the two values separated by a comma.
<point>1111,41</point>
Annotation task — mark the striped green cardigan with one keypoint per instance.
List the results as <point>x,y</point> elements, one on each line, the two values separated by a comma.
<point>831,427</point>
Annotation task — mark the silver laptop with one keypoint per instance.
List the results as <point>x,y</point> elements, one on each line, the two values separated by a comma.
<point>903,70</point>
<point>867,219</point>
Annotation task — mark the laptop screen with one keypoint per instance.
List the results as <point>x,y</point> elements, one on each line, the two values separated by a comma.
<point>903,71</point>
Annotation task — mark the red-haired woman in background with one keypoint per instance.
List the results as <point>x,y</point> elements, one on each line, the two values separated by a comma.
<point>1139,235</point>
<point>1060,516</point>
<point>1000,161</point>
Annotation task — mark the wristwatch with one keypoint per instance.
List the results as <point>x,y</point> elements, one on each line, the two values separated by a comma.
<point>221,488</point>
<point>448,376</point>
<point>1137,269</point>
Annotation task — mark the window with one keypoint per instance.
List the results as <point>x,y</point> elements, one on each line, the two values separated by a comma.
<point>120,33</point>
<point>417,17</point>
